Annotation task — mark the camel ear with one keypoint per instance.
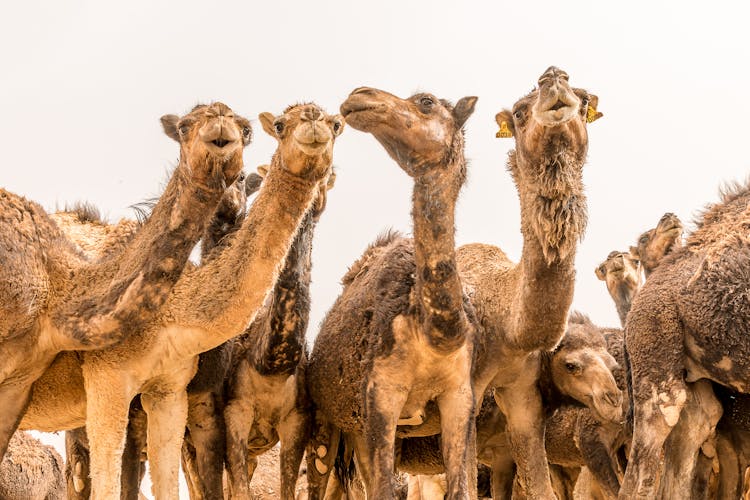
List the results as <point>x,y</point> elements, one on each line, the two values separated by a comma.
<point>600,272</point>
<point>505,120</point>
<point>591,113</point>
<point>331,181</point>
<point>266,120</point>
<point>252,183</point>
<point>634,253</point>
<point>169,124</point>
<point>463,109</point>
<point>263,171</point>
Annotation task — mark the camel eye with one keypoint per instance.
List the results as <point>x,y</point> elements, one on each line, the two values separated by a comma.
<point>518,115</point>
<point>571,367</point>
<point>336,126</point>
<point>279,127</point>
<point>245,132</point>
<point>241,177</point>
<point>427,102</point>
<point>184,129</point>
<point>585,101</point>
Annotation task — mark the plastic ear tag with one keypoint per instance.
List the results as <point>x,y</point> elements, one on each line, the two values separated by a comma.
<point>592,114</point>
<point>504,131</point>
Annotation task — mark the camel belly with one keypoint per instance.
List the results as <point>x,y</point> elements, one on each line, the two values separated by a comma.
<point>58,398</point>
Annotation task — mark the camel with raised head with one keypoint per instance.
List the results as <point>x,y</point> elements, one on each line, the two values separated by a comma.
<point>209,305</point>
<point>56,299</point>
<point>399,336</point>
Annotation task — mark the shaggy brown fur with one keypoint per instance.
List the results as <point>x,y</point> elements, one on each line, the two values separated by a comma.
<point>399,335</point>
<point>691,317</point>
<point>31,471</point>
<point>55,299</point>
<point>209,305</point>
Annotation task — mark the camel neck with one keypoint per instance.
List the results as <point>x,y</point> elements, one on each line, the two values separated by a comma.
<point>438,287</point>
<point>131,286</point>
<point>553,219</point>
<point>623,299</point>
<point>280,343</point>
<point>222,297</point>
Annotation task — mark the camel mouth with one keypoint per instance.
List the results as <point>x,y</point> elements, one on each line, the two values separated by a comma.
<point>558,105</point>
<point>350,108</point>
<point>220,143</point>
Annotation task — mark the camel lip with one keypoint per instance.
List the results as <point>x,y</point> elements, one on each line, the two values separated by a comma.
<point>558,105</point>
<point>351,106</point>
<point>220,143</point>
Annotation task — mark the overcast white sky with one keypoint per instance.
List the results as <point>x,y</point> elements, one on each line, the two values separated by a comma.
<point>84,83</point>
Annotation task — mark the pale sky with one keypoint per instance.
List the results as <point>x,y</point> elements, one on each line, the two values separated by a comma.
<point>84,85</point>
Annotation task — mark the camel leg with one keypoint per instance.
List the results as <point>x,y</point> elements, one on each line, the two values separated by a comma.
<point>107,403</point>
<point>135,442</point>
<point>655,416</point>
<point>77,464</point>
<point>363,463</point>
<point>167,417</point>
<point>239,423</point>
<point>383,404</point>
<point>321,454</point>
<point>190,469</point>
<point>522,407</point>
<point>694,428</point>
<point>730,473</point>
<point>293,434</point>
<point>206,427</point>
<point>503,472</point>
<point>13,401</point>
<point>458,430</point>
<point>600,462</point>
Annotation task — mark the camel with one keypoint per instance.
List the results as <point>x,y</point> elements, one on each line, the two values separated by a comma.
<point>85,227</point>
<point>55,299</point>
<point>266,398</point>
<point>686,328</point>
<point>31,470</point>
<point>209,305</point>
<point>655,243</point>
<point>578,378</point>
<point>621,272</point>
<point>515,310</point>
<point>383,348</point>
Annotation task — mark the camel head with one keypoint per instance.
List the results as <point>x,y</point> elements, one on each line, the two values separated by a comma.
<point>549,128</point>
<point>306,135</point>
<point>418,132</point>
<point>211,139</point>
<point>622,274</point>
<point>581,368</point>
<point>233,204</point>
<point>654,244</point>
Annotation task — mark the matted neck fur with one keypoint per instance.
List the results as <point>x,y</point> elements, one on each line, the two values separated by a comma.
<point>549,126</point>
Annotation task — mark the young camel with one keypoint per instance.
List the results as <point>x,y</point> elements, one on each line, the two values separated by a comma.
<point>209,305</point>
<point>621,272</point>
<point>520,309</point>
<point>687,327</point>
<point>31,470</point>
<point>382,351</point>
<point>578,375</point>
<point>84,226</point>
<point>56,299</point>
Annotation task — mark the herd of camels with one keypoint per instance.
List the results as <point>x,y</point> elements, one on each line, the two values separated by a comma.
<point>436,365</point>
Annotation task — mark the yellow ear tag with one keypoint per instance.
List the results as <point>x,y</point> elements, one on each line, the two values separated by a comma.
<point>592,114</point>
<point>504,131</point>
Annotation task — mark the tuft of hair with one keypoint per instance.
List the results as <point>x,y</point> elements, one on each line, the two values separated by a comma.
<point>728,192</point>
<point>293,106</point>
<point>85,212</point>
<point>360,265</point>
<point>579,318</point>
<point>143,209</point>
